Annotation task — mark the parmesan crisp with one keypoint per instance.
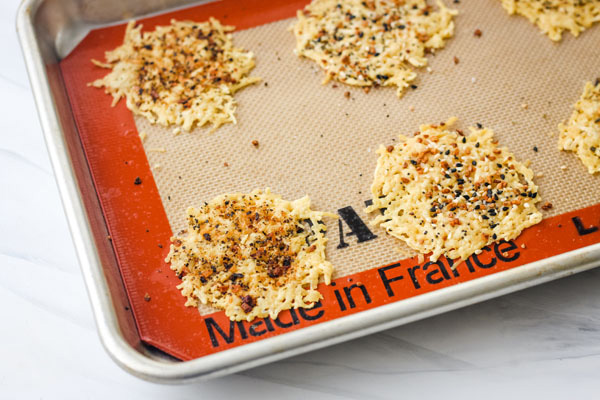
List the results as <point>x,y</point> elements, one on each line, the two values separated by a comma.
<point>182,74</point>
<point>555,16</point>
<point>371,43</point>
<point>252,255</point>
<point>581,134</point>
<point>448,194</point>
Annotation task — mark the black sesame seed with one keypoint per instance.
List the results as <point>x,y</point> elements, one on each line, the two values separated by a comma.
<point>494,236</point>
<point>474,162</point>
<point>535,149</point>
<point>137,181</point>
<point>479,125</point>
<point>505,208</point>
<point>485,217</point>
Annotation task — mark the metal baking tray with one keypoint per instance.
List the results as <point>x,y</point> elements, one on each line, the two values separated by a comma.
<point>50,29</point>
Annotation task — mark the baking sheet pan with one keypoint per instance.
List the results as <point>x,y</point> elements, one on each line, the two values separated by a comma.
<point>314,141</point>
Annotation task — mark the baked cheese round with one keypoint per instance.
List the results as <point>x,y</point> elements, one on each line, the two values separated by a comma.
<point>252,255</point>
<point>446,193</point>
<point>581,134</point>
<point>555,16</point>
<point>371,43</point>
<point>182,74</point>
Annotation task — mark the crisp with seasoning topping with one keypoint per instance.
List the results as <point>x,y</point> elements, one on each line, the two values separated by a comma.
<point>252,255</point>
<point>555,16</point>
<point>182,74</point>
<point>449,194</point>
<point>372,43</point>
<point>581,134</point>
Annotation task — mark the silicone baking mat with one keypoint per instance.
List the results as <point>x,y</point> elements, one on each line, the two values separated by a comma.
<point>314,140</point>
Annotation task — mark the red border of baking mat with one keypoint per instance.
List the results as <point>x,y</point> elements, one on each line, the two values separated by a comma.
<point>140,230</point>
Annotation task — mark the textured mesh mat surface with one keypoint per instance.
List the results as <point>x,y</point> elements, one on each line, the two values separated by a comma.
<point>315,141</point>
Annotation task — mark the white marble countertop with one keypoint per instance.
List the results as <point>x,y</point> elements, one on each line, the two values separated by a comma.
<point>541,342</point>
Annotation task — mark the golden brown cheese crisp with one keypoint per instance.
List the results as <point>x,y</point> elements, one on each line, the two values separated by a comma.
<point>182,74</point>
<point>555,16</point>
<point>581,134</point>
<point>252,255</point>
<point>372,43</point>
<point>448,194</point>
